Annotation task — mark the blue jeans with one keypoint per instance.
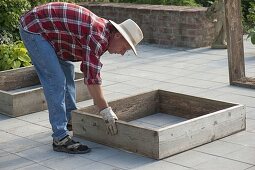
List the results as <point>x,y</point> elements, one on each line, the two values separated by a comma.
<point>57,79</point>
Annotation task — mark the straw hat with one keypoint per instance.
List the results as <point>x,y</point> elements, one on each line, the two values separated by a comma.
<point>130,31</point>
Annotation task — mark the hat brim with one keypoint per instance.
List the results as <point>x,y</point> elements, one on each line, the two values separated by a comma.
<point>124,34</point>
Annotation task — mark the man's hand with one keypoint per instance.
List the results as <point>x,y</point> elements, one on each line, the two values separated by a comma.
<point>109,117</point>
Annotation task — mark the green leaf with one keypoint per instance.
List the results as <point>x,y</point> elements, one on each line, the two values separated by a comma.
<point>24,58</point>
<point>9,61</point>
<point>16,64</point>
<point>253,39</point>
<point>26,64</point>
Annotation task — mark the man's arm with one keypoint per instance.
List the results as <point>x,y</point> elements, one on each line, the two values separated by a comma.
<point>105,111</point>
<point>96,93</point>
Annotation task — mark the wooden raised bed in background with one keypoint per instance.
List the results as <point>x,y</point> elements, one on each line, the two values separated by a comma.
<point>21,92</point>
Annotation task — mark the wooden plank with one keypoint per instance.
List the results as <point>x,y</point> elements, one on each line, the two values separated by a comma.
<point>132,138</point>
<point>28,102</point>
<point>234,40</point>
<point>201,130</point>
<point>246,82</point>
<point>188,106</point>
<point>6,102</point>
<point>82,92</point>
<point>17,103</point>
<point>131,108</point>
<point>224,119</point>
<point>18,78</point>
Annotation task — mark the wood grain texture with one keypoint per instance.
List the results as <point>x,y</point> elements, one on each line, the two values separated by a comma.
<point>18,78</point>
<point>132,138</point>
<point>29,100</point>
<point>201,130</point>
<point>188,106</point>
<point>131,108</point>
<point>247,82</point>
<point>235,40</point>
<point>208,120</point>
<point>6,102</point>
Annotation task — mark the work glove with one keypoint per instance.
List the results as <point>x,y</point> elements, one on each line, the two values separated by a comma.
<point>109,118</point>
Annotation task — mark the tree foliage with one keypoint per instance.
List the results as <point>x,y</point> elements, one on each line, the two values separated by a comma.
<point>13,56</point>
<point>10,11</point>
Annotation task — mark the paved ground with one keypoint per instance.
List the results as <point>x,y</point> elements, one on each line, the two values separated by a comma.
<point>25,142</point>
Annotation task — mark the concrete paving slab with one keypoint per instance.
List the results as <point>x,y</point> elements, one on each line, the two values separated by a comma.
<point>144,124</point>
<point>250,113</point>
<point>5,137</point>
<point>127,160</point>
<point>35,166</point>
<point>42,137</point>
<point>189,158</point>
<point>100,152</point>
<point>119,87</point>
<point>222,164</point>
<point>252,168</point>
<point>234,98</point>
<point>67,162</point>
<point>243,138</point>
<point>11,123</point>
<point>219,148</point>
<point>194,82</point>
<point>236,90</point>
<point>250,125</point>
<point>98,166</point>
<point>209,77</point>
<point>208,93</point>
<point>18,145</point>
<point>115,96</point>
<point>159,120</point>
<point>12,161</point>
<point>245,154</point>
<point>184,89</point>
<point>35,117</point>
<point>3,153</point>
<point>115,77</point>
<point>45,123</point>
<point>162,165</point>
<point>39,154</point>
<point>28,130</point>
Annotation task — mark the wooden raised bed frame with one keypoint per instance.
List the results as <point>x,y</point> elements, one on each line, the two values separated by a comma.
<point>21,93</point>
<point>208,120</point>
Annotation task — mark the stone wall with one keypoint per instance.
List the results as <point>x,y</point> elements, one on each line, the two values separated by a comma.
<point>172,26</point>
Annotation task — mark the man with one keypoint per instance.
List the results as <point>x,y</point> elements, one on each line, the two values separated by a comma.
<point>55,34</point>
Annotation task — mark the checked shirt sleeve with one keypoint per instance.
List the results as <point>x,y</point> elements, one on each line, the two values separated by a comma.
<point>91,65</point>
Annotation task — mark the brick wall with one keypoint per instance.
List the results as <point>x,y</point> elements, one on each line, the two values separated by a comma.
<point>173,26</point>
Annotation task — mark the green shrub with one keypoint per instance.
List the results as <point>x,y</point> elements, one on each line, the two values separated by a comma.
<point>39,2</point>
<point>163,2</point>
<point>251,34</point>
<point>205,3</point>
<point>248,10</point>
<point>10,11</point>
<point>6,37</point>
<point>251,15</point>
<point>13,56</point>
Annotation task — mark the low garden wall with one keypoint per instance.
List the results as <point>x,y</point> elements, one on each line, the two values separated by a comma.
<point>173,26</point>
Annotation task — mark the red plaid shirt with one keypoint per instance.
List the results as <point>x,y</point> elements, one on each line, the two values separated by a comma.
<point>75,33</point>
